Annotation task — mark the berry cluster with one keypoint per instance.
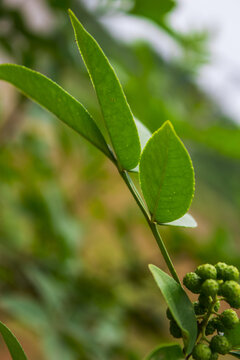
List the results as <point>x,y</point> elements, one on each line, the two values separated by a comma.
<point>213,284</point>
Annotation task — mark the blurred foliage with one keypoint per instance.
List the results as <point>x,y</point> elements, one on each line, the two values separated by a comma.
<point>73,250</point>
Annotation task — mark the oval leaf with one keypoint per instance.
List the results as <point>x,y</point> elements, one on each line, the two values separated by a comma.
<point>116,112</point>
<point>234,336</point>
<point>56,100</point>
<point>166,351</point>
<point>12,343</point>
<point>166,175</point>
<point>185,221</point>
<point>179,305</point>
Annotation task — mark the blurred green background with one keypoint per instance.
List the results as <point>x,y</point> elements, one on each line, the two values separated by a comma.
<point>74,249</point>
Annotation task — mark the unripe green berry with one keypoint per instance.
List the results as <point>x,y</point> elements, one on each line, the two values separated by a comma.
<point>204,300</point>
<point>231,291</point>
<point>199,309</point>
<point>206,271</point>
<point>231,273</point>
<point>193,282</point>
<point>210,328</point>
<point>220,344</point>
<point>219,325</point>
<point>216,324</point>
<point>175,330</point>
<point>229,318</point>
<point>201,352</point>
<point>220,267</point>
<point>210,287</point>
<point>234,303</point>
<point>169,314</point>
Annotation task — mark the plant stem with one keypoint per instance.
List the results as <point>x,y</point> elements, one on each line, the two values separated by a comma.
<point>153,226</point>
<point>205,320</point>
<point>164,251</point>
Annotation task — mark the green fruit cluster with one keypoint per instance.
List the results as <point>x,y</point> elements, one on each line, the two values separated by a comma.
<point>212,283</point>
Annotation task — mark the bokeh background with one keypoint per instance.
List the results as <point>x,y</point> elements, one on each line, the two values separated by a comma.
<point>74,249</point>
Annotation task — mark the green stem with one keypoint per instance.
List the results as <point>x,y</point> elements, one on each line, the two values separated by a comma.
<point>206,318</point>
<point>153,226</point>
<point>163,249</point>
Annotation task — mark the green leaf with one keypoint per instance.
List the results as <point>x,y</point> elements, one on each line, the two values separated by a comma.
<point>235,354</point>
<point>233,336</point>
<point>179,305</point>
<point>166,351</point>
<point>12,343</point>
<point>185,221</point>
<point>152,9</point>
<point>143,132</point>
<point>144,136</point>
<point>166,175</point>
<point>56,100</point>
<point>116,112</point>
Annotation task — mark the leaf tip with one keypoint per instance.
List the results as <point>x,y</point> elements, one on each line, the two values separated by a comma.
<point>72,16</point>
<point>70,12</point>
<point>168,124</point>
<point>151,267</point>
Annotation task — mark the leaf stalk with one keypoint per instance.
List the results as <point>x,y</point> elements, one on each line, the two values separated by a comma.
<point>152,225</point>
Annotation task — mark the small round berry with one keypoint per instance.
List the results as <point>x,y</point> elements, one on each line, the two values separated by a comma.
<point>175,330</point>
<point>201,352</point>
<point>214,356</point>
<point>220,344</point>
<point>231,273</point>
<point>210,328</point>
<point>220,267</point>
<point>219,325</point>
<point>229,318</point>
<point>169,314</point>
<point>231,291</point>
<point>204,301</point>
<point>210,287</point>
<point>192,282</point>
<point>216,306</point>
<point>234,303</point>
<point>206,271</point>
<point>216,324</point>
<point>198,308</point>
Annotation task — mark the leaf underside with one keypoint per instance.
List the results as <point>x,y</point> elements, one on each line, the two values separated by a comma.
<point>185,221</point>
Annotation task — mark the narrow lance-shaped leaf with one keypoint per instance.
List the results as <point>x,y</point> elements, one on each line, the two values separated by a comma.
<point>179,305</point>
<point>166,175</point>
<point>12,343</point>
<point>116,112</point>
<point>166,351</point>
<point>56,100</point>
